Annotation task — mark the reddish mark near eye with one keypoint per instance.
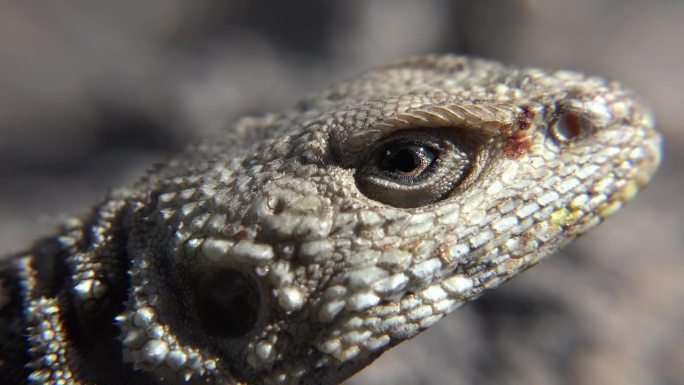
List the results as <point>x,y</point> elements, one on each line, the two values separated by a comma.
<point>517,145</point>
<point>524,118</point>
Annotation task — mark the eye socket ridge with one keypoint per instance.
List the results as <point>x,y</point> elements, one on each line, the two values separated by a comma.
<point>414,168</point>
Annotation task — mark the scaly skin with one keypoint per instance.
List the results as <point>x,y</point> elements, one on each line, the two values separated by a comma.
<point>297,247</point>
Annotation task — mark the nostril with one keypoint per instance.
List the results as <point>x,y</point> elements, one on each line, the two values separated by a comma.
<point>227,303</point>
<point>568,127</point>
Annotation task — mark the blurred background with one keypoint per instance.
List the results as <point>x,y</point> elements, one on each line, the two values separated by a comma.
<point>94,91</point>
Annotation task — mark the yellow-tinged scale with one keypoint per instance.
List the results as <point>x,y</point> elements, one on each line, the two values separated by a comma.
<point>559,218</point>
<point>611,208</point>
<point>574,216</point>
<point>628,192</point>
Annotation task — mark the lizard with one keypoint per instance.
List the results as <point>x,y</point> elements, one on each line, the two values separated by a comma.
<point>296,247</point>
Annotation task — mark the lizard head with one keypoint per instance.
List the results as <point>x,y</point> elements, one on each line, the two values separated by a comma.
<point>299,247</point>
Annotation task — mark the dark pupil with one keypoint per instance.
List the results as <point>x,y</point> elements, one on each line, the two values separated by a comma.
<point>409,159</point>
<point>406,160</point>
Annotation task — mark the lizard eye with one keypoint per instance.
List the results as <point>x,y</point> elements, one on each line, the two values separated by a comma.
<point>227,303</point>
<point>413,169</point>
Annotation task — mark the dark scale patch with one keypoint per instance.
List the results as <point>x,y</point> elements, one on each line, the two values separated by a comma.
<point>104,250</point>
<point>90,326</point>
<point>524,119</point>
<point>49,263</point>
<point>517,145</point>
<point>13,347</point>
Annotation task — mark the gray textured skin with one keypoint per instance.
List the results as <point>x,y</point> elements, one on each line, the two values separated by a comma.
<point>283,218</point>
